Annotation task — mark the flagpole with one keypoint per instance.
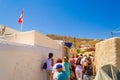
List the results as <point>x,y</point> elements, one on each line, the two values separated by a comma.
<point>22,20</point>
<point>21,27</point>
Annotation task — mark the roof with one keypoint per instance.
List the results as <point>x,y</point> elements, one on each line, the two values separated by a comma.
<point>4,30</point>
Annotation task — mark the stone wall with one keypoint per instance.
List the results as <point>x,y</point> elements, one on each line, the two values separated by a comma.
<point>108,52</point>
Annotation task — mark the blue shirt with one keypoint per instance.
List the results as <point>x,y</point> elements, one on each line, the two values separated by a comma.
<point>62,76</point>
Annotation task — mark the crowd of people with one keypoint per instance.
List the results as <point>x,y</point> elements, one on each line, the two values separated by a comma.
<point>77,67</point>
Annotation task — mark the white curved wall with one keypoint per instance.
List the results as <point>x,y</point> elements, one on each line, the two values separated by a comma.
<point>23,62</point>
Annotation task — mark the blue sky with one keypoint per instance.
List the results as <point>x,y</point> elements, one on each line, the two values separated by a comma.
<point>77,18</point>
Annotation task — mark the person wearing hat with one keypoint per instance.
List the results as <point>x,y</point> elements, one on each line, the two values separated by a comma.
<point>54,75</point>
<point>61,74</point>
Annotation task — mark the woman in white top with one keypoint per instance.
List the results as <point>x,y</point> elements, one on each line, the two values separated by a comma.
<point>50,64</point>
<point>78,69</point>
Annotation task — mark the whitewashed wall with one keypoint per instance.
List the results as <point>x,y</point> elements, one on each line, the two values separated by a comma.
<point>23,62</point>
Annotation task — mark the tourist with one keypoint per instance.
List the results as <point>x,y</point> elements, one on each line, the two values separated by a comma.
<point>78,69</point>
<point>61,74</point>
<point>73,65</point>
<point>83,59</point>
<point>54,75</point>
<point>92,58</point>
<point>88,69</point>
<point>50,64</point>
<point>77,56</point>
<point>67,66</point>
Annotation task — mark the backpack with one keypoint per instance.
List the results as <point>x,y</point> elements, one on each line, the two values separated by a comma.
<point>89,70</point>
<point>44,65</point>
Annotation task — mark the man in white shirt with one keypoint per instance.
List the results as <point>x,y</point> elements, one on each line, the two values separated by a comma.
<point>83,59</point>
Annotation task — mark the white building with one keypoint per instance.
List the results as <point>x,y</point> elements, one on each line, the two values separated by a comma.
<point>23,53</point>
